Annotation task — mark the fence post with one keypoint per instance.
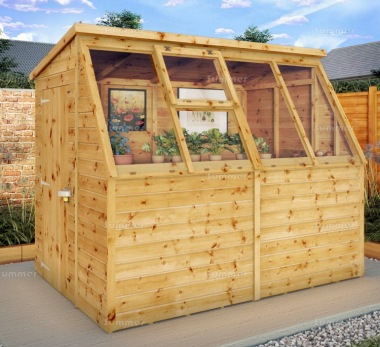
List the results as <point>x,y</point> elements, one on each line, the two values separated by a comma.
<point>372,115</point>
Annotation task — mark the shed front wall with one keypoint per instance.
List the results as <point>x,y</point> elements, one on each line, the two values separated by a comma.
<point>183,245</point>
<point>311,227</point>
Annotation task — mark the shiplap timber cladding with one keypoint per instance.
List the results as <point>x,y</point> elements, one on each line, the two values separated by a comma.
<point>140,243</point>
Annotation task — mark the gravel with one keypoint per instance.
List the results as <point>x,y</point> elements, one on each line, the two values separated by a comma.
<point>339,334</point>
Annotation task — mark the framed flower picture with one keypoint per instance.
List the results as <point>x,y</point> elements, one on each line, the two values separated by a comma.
<point>126,110</point>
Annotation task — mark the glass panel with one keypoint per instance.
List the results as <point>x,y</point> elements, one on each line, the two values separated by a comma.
<point>329,138</point>
<point>267,112</point>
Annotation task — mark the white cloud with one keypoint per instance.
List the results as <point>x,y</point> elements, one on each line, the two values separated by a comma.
<point>326,42</point>
<point>173,3</point>
<point>235,3</point>
<point>19,25</point>
<point>355,36</point>
<point>24,37</point>
<point>88,3</point>
<point>63,2</point>
<point>281,36</point>
<point>291,20</point>
<point>303,12</point>
<point>224,31</point>
<point>306,2</point>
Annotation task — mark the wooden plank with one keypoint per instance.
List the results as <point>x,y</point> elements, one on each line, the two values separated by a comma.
<point>206,243</point>
<point>299,228</point>
<point>207,181</point>
<point>187,262</point>
<point>130,233</point>
<point>310,268</point>
<point>93,184</point>
<point>153,314</point>
<point>141,284</point>
<point>280,260</point>
<point>372,115</point>
<point>181,214</point>
<point>175,199</point>
<point>306,281</point>
<point>183,293</point>
<point>309,241</point>
<point>321,187</point>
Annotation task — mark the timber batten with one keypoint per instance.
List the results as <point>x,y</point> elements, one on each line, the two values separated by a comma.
<point>140,243</point>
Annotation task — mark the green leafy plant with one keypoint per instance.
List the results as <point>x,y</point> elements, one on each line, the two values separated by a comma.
<point>235,143</point>
<point>169,142</point>
<point>160,145</point>
<point>195,141</point>
<point>370,342</point>
<point>216,142</point>
<point>17,221</point>
<point>262,145</point>
<point>146,147</point>
<point>372,195</point>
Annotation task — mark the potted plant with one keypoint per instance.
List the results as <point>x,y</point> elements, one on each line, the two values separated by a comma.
<point>118,131</point>
<point>195,142</point>
<point>170,145</point>
<point>216,143</point>
<point>159,154</point>
<point>263,147</point>
<point>121,151</point>
<point>236,146</point>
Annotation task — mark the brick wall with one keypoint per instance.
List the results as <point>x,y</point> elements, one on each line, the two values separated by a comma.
<point>16,143</point>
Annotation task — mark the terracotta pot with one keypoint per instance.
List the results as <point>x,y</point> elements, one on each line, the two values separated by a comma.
<point>125,159</point>
<point>158,158</point>
<point>241,156</point>
<point>215,157</point>
<point>265,155</point>
<point>195,157</point>
<point>176,159</point>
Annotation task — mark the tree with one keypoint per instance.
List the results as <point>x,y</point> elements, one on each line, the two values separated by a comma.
<point>123,19</point>
<point>6,63</point>
<point>253,34</point>
<point>376,73</point>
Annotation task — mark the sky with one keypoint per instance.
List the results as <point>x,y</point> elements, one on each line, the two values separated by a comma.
<point>323,24</point>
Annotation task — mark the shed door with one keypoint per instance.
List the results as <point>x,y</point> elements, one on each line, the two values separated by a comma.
<point>54,177</point>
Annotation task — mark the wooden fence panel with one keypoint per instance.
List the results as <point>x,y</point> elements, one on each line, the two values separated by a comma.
<point>362,110</point>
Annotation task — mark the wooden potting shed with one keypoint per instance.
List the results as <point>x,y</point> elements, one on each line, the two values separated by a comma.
<point>139,243</point>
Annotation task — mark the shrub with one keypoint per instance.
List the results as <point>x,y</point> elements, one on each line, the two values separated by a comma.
<point>371,342</point>
<point>17,223</point>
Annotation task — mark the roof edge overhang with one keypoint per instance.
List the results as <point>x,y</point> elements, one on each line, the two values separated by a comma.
<point>157,36</point>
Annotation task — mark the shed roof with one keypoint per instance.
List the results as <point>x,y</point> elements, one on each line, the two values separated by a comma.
<point>353,62</point>
<point>86,29</point>
<point>27,54</point>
